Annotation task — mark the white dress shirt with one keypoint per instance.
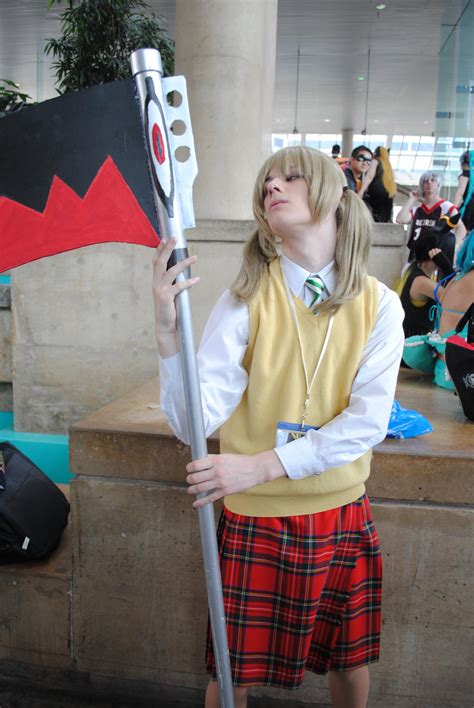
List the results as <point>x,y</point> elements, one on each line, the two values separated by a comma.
<point>359,427</point>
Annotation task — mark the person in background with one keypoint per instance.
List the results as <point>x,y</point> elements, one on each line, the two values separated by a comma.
<point>462,193</point>
<point>381,189</point>
<point>336,151</point>
<point>417,296</point>
<point>357,168</point>
<point>426,352</point>
<point>298,367</point>
<point>458,292</point>
<point>424,216</point>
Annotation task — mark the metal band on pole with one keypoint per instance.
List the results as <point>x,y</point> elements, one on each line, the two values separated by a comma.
<point>172,183</point>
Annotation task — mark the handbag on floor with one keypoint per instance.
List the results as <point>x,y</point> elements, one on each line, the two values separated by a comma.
<point>460,362</point>
<point>33,510</point>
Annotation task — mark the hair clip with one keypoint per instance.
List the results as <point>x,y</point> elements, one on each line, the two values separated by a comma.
<point>344,189</point>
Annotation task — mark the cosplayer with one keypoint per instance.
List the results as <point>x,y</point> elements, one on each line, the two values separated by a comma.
<point>418,283</point>
<point>298,365</point>
<point>381,187</point>
<point>358,170</point>
<point>425,215</point>
<point>453,296</point>
<point>417,296</point>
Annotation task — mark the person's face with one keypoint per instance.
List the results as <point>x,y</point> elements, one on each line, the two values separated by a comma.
<point>361,163</point>
<point>430,186</point>
<point>285,201</point>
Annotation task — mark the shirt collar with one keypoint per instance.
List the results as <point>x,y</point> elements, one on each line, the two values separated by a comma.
<point>296,276</point>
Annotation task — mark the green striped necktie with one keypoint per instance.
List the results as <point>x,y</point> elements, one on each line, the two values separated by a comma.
<point>316,285</point>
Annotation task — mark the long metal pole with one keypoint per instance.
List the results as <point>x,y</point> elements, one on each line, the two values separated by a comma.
<point>147,73</point>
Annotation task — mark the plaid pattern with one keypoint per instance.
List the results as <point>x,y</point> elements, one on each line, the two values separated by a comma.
<point>300,592</point>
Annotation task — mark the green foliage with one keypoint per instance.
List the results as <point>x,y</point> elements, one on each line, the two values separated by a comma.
<point>97,39</point>
<point>10,98</point>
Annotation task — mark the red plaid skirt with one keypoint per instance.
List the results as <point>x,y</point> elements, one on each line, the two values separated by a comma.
<point>300,592</point>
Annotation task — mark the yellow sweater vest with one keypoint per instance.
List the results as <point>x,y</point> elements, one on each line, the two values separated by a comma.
<point>276,391</point>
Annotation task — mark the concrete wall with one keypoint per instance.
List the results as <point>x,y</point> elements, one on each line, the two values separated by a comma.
<point>83,321</point>
<point>35,611</point>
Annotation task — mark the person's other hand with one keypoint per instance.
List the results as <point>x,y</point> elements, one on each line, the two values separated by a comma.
<point>372,169</point>
<point>221,475</point>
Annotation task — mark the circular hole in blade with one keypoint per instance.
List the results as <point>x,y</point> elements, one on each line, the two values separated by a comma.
<point>178,127</point>
<point>182,153</point>
<point>174,98</point>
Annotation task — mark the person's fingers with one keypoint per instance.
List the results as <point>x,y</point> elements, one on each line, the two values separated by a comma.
<point>164,246</point>
<point>185,284</point>
<point>199,475</point>
<point>208,499</point>
<point>205,463</point>
<point>202,487</point>
<point>161,257</point>
<point>173,272</point>
<point>164,277</point>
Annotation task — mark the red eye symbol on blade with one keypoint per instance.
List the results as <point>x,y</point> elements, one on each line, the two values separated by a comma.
<point>158,145</point>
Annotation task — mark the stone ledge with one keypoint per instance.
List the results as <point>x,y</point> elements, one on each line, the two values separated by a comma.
<point>238,231</point>
<point>130,438</point>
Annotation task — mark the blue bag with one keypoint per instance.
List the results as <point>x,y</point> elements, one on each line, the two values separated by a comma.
<point>405,423</point>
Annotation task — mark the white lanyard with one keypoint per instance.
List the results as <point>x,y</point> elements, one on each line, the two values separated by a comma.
<point>309,384</point>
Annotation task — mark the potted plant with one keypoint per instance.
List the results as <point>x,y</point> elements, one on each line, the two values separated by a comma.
<point>97,39</point>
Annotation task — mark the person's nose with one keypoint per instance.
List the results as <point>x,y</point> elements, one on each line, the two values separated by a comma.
<point>274,185</point>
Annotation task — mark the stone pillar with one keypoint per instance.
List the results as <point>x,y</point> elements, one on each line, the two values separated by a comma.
<point>226,50</point>
<point>347,139</point>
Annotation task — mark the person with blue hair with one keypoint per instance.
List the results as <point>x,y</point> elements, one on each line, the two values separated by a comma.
<point>426,352</point>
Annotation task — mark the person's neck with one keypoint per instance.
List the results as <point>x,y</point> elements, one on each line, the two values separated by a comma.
<point>312,251</point>
<point>431,199</point>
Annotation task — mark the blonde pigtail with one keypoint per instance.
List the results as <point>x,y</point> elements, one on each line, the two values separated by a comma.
<point>259,251</point>
<point>354,231</point>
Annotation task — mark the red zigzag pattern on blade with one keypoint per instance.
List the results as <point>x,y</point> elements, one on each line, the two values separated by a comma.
<point>108,212</point>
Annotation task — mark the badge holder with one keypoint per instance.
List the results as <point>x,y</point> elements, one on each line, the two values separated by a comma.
<point>288,432</point>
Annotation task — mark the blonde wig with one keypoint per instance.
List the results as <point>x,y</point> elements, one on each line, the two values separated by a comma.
<point>328,194</point>
<point>388,178</point>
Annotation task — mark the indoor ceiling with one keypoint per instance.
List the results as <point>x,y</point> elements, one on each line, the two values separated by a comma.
<point>397,96</point>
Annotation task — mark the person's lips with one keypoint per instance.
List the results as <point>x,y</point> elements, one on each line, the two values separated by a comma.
<point>276,202</point>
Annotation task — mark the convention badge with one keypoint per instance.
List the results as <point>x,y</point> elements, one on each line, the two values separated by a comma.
<point>287,432</point>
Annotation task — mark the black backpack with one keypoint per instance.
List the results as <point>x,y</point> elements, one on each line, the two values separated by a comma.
<point>33,510</point>
<point>460,362</point>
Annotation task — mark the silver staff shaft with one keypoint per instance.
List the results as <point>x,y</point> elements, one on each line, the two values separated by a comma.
<point>170,204</point>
